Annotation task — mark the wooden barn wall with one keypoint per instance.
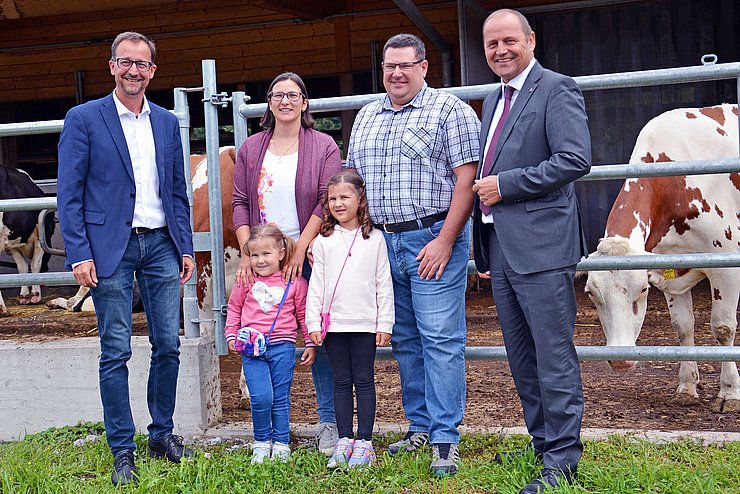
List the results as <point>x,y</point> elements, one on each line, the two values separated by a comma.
<point>641,36</point>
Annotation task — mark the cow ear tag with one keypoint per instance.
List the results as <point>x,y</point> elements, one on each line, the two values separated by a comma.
<point>669,274</point>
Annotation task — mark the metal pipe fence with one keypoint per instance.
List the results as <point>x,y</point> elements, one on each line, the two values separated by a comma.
<point>595,82</point>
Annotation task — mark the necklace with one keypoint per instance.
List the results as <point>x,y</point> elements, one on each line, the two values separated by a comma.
<point>285,152</point>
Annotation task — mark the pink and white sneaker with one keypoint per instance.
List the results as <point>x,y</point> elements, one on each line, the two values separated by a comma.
<point>363,454</point>
<point>342,453</point>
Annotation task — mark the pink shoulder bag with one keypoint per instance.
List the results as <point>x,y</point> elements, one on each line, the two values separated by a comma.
<point>326,316</point>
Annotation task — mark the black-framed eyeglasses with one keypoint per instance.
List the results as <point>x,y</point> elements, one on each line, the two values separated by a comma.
<point>405,66</point>
<point>125,64</point>
<point>278,96</point>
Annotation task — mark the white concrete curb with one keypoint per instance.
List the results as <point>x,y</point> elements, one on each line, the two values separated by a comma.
<point>242,430</point>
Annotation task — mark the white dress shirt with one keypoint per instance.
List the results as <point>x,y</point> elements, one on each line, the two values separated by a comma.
<point>517,83</point>
<point>148,210</point>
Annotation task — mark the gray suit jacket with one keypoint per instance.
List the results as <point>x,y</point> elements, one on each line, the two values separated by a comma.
<point>543,148</point>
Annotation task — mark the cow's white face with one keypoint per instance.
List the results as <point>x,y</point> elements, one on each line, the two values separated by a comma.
<point>620,297</point>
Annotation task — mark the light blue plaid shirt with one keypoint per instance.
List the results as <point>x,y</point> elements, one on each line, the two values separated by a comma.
<point>406,156</point>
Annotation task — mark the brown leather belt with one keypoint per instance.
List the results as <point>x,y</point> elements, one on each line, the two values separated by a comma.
<point>417,224</point>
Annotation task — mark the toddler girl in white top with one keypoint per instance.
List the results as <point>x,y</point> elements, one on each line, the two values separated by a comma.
<point>360,302</point>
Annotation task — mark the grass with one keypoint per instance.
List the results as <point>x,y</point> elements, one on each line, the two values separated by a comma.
<point>48,462</point>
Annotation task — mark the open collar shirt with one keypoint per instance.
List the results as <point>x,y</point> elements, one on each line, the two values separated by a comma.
<point>407,156</point>
<point>148,209</point>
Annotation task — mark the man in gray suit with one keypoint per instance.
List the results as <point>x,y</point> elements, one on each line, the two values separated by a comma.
<point>527,233</point>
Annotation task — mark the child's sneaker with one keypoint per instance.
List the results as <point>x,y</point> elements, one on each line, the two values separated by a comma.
<point>260,452</point>
<point>363,454</point>
<point>342,453</point>
<point>280,452</point>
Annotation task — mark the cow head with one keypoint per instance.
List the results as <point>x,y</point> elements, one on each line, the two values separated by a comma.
<point>620,298</point>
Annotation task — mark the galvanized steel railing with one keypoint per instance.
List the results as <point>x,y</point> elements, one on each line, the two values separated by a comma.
<point>604,81</point>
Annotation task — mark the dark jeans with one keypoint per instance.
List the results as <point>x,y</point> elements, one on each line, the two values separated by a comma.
<point>352,357</point>
<point>152,256</point>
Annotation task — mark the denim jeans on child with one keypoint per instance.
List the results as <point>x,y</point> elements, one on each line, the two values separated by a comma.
<point>428,338</point>
<point>153,257</point>
<point>269,378</point>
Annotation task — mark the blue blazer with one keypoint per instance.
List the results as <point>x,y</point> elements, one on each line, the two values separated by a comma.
<point>95,186</point>
<point>543,148</point>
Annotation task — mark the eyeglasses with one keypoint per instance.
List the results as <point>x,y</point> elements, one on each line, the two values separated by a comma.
<point>292,96</point>
<point>405,67</point>
<point>125,64</point>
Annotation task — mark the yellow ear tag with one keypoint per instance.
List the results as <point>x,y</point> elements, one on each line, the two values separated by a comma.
<point>669,274</point>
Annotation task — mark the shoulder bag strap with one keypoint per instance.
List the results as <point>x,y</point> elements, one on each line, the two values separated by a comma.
<point>328,309</point>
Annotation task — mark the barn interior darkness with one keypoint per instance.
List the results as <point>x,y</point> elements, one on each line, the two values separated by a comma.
<point>576,38</point>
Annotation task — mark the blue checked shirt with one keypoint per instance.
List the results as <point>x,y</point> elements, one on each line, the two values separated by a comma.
<point>406,156</point>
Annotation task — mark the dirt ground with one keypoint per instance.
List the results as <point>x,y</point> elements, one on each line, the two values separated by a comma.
<point>636,400</point>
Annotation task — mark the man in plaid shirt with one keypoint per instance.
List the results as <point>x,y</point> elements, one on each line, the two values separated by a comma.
<point>417,150</point>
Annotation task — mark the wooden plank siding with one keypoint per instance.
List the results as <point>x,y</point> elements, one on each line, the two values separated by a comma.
<point>249,44</point>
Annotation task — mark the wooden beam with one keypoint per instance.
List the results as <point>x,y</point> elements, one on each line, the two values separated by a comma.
<point>306,9</point>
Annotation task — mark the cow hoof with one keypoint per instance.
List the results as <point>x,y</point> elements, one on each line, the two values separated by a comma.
<point>727,406</point>
<point>4,313</point>
<point>24,300</point>
<point>684,400</point>
<point>36,299</point>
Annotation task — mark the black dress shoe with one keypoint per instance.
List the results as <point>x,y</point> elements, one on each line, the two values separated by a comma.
<point>124,468</point>
<point>169,447</point>
<point>549,479</point>
<point>510,456</point>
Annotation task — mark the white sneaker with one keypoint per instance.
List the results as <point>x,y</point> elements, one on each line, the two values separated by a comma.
<point>342,453</point>
<point>260,452</point>
<point>363,454</point>
<point>280,452</point>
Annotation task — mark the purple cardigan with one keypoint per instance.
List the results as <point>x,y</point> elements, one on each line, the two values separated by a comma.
<point>318,161</point>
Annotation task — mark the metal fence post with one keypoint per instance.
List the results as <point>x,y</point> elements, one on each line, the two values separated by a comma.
<point>210,102</point>
<point>238,98</point>
<point>190,298</point>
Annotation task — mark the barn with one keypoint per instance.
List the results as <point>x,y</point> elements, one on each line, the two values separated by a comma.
<point>55,56</point>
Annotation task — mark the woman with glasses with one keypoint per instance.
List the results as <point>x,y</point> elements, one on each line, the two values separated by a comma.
<point>280,177</point>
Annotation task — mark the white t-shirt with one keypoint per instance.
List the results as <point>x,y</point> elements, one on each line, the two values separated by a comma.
<point>276,190</point>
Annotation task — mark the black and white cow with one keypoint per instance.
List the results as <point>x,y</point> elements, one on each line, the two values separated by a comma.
<point>19,235</point>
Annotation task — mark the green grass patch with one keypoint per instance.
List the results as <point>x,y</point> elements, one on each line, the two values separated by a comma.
<point>49,462</point>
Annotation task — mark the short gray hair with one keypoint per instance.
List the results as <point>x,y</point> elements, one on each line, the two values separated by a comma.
<point>405,40</point>
<point>136,38</point>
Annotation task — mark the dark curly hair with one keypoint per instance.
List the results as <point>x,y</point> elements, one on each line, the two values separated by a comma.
<point>363,213</point>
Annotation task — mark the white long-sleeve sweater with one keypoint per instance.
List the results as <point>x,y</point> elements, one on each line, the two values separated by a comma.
<point>364,298</point>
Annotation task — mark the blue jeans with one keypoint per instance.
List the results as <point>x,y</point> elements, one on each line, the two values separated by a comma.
<point>269,378</point>
<point>429,335</point>
<point>152,256</point>
<point>323,382</point>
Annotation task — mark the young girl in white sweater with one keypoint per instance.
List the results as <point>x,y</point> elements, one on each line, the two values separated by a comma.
<point>351,280</point>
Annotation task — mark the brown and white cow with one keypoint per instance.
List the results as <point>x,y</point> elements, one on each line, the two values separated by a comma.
<point>81,301</point>
<point>676,215</point>
<point>19,232</point>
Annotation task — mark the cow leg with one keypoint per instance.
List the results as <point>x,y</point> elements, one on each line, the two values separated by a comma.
<point>244,391</point>
<point>3,308</point>
<point>36,260</point>
<point>725,293</point>
<point>680,307</point>
<point>20,262</point>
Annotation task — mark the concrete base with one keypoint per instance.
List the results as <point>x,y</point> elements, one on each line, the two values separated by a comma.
<point>55,383</point>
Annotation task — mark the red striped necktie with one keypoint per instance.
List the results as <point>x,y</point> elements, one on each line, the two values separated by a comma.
<point>488,159</point>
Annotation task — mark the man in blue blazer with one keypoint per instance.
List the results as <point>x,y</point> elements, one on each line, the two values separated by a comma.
<point>527,233</point>
<point>123,211</point>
